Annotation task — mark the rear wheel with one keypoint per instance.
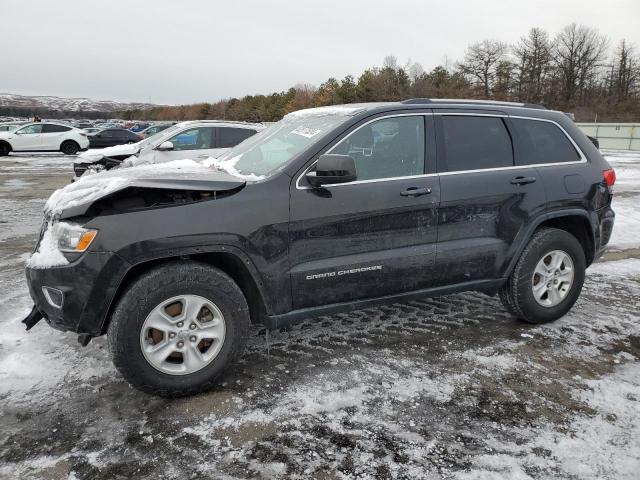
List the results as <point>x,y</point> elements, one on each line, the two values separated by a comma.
<point>177,328</point>
<point>69,147</point>
<point>548,277</point>
<point>5,149</point>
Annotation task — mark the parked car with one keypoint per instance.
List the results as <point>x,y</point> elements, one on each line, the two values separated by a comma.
<point>43,137</point>
<point>92,130</point>
<point>110,137</point>
<point>330,209</point>
<point>153,129</point>
<point>194,139</point>
<point>138,127</point>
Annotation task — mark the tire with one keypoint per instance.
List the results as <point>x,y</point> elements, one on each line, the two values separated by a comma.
<point>69,147</point>
<point>5,149</point>
<point>560,287</point>
<point>127,332</point>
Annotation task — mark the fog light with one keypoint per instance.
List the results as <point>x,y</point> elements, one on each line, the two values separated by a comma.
<point>54,296</point>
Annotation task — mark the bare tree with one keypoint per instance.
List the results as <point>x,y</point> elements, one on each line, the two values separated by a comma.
<point>625,72</point>
<point>390,61</point>
<point>533,62</point>
<point>578,53</point>
<point>481,61</point>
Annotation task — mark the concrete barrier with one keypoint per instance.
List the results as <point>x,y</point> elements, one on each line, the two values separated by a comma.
<point>614,136</point>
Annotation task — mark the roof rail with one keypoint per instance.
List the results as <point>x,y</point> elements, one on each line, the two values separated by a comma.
<point>419,101</point>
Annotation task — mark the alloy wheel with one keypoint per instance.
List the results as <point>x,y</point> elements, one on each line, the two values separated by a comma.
<point>182,335</point>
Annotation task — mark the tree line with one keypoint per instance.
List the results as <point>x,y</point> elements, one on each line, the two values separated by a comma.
<point>576,70</point>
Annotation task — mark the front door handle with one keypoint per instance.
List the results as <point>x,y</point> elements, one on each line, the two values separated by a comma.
<point>523,180</point>
<point>415,192</point>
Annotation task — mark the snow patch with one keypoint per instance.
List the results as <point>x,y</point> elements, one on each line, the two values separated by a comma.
<point>47,255</point>
<point>229,166</point>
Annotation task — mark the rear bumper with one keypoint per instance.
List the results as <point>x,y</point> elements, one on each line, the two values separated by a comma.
<point>87,287</point>
<point>606,220</point>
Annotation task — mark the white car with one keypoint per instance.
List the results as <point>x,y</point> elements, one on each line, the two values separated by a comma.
<point>43,137</point>
<point>196,140</point>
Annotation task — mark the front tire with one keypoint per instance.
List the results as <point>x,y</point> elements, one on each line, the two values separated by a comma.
<point>177,328</point>
<point>69,147</point>
<point>5,149</point>
<point>548,278</point>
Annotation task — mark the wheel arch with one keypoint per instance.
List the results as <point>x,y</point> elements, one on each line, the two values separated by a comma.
<point>577,222</point>
<point>241,271</point>
<point>4,141</point>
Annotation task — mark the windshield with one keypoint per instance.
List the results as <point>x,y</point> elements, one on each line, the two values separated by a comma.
<point>272,148</point>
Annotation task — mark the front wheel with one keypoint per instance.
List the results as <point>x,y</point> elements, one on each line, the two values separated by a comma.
<point>177,328</point>
<point>5,149</point>
<point>548,278</point>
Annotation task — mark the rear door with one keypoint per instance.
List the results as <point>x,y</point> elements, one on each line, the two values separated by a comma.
<point>52,136</point>
<point>370,237</point>
<point>486,200</point>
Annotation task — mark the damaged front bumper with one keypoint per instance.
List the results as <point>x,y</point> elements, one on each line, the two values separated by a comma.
<point>76,297</point>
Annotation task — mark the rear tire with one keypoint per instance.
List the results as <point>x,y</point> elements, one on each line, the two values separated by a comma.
<point>538,290</point>
<point>130,328</point>
<point>69,147</point>
<point>5,149</point>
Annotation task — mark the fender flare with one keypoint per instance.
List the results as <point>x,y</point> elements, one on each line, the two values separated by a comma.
<point>536,222</point>
<point>183,252</point>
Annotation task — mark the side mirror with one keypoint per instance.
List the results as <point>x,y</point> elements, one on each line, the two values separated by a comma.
<point>164,146</point>
<point>332,169</point>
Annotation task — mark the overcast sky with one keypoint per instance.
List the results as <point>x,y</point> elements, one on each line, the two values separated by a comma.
<point>189,51</point>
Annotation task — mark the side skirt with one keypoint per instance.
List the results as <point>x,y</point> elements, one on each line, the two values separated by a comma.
<point>490,287</point>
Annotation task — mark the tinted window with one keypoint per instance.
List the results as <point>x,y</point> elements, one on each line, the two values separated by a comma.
<point>390,147</point>
<point>193,139</point>
<point>230,137</point>
<point>542,142</point>
<point>30,129</point>
<point>108,133</point>
<point>51,128</point>
<point>472,143</point>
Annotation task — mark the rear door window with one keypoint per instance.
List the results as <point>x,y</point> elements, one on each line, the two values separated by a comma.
<point>51,128</point>
<point>474,143</point>
<point>228,137</point>
<point>540,142</point>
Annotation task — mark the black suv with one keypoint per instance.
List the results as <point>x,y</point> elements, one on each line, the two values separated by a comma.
<point>330,209</point>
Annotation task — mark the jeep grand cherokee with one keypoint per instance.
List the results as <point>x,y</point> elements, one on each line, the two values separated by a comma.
<point>330,209</point>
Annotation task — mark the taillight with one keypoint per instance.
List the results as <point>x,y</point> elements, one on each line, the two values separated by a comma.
<point>609,177</point>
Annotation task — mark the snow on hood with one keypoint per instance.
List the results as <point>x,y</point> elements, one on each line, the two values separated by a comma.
<point>229,166</point>
<point>96,154</point>
<point>88,189</point>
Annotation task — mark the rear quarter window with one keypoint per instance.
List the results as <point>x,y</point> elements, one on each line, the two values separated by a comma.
<point>474,143</point>
<point>540,142</point>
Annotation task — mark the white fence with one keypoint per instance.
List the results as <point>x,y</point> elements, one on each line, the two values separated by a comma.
<point>615,136</point>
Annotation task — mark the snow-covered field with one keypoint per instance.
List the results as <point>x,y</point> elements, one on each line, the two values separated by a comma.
<point>443,388</point>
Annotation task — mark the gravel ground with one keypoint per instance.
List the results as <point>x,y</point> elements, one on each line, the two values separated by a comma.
<point>449,387</point>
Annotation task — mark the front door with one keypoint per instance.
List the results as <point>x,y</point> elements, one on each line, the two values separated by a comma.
<point>27,138</point>
<point>377,235</point>
<point>486,200</point>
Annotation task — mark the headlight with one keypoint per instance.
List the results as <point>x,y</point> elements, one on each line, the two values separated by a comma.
<point>73,238</point>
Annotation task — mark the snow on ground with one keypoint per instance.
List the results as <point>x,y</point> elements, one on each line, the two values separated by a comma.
<point>450,387</point>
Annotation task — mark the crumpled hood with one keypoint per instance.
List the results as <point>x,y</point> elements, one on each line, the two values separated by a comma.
<point>76,198</point>
<point>96,154</point>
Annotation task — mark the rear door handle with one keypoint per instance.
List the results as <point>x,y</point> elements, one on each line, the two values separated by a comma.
<point>523,180</point>
<point>415,192</point>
